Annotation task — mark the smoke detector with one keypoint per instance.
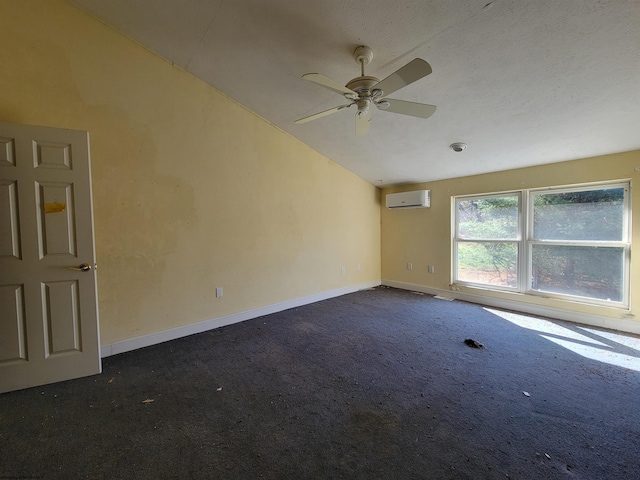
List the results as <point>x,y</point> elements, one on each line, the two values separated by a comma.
<point>458,146</point>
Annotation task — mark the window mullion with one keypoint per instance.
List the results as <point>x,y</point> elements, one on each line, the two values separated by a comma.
<point>525,254</point>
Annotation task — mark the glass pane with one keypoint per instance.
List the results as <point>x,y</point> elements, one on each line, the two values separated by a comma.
<point>493,218</point>
<point>488,263</point>
<point>586,215</point>
<point>593,272</point>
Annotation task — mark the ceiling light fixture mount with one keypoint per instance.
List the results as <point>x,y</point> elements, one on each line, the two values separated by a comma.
<point>458,146</point>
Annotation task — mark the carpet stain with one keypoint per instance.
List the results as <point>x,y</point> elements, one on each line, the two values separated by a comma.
<point>306,327</point>
<point>368,423</point>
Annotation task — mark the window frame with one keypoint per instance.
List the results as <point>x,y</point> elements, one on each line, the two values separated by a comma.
<point>526,242</point>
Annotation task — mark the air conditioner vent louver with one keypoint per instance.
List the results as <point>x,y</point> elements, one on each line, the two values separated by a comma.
<point>415,199</point>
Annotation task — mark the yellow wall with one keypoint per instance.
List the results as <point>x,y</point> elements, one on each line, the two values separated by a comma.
<point>423,236</point>
<point>191,190</point>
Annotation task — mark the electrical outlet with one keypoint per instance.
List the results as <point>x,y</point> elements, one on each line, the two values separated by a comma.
<point>358,267</point>
<point>344,270</point>
<point>218,292</point>
<point>409,266</point>
<point>431,269</point>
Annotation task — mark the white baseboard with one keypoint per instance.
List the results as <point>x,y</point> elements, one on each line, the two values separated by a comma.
<point>199,327</point>
<point>621,324</point>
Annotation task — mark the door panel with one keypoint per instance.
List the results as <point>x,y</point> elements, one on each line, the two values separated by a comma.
<point>56,230</point>
<point>13,342</point>
<point>7,151</point>
<point>52,155</point>
<point>9,218</point>
<point>61,309</point>
<point>48,304</point>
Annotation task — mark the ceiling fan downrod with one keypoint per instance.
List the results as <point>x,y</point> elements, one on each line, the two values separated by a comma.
<point>363,55</point>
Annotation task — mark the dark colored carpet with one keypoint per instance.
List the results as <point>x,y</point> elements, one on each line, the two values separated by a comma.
<point>373,385</point>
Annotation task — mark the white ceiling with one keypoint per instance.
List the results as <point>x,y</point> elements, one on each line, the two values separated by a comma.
<point>522,82</point>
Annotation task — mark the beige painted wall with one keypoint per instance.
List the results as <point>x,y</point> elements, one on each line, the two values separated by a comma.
<point>423,236</point>
<point>191,190</point>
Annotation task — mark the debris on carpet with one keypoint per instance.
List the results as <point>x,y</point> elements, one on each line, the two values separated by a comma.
<point>473,343</point>
<point>440,297</point>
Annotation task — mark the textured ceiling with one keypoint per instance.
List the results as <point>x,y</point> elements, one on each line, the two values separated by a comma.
<point>522,82</point>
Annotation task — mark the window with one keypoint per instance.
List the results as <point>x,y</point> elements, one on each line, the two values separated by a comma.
<point>561,242</point>
<point>488,239</point>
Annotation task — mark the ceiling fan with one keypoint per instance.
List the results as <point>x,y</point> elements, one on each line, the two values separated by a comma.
<point>363,91</point>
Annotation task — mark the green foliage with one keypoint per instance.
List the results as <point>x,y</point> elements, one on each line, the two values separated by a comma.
<point>606,195</point>
<point>592,215</point>
<point>494,218</point>
<point>594,272</point>
<point>496,258</point>
<point>488,218</point>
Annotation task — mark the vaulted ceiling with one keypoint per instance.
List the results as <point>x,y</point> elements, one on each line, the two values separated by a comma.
<point>521,82</point>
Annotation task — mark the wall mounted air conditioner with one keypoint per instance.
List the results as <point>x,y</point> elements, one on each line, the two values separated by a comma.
<point>415,199</point>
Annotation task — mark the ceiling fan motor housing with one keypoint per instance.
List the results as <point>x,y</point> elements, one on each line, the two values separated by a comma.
<point>362,85</point>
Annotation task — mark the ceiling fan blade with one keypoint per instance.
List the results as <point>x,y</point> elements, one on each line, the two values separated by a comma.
<point>363,122</point>
<point>328,83</point>
<point>322,114</point>
<point>412,71</point>
<point>421,110</point>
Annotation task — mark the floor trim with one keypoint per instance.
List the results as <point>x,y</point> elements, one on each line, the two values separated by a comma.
<point>199,327</point>
<point>621,324</point>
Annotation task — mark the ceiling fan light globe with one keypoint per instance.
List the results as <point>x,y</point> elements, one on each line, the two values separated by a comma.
<point>383,104</point>
<point>363,105</point>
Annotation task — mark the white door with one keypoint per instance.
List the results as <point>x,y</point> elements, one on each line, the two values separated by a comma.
<point>48,297</point>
